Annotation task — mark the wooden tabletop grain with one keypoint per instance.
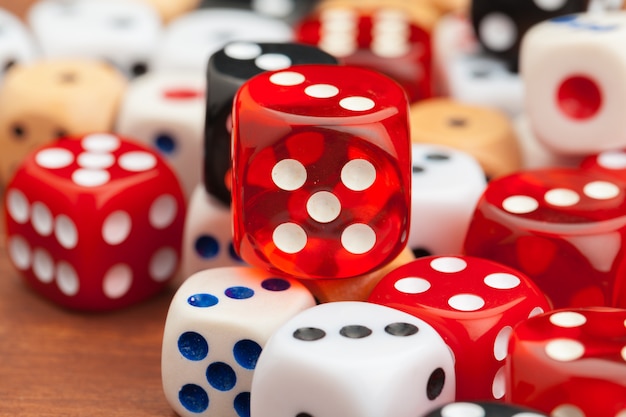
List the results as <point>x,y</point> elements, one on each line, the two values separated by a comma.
<point>55,362</point>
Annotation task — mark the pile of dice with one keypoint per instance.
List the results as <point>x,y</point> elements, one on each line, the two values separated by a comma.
<point>371,208</point>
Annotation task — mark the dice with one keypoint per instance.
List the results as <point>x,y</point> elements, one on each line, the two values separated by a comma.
<point>218,322</point>
<point>17,45</point>
<point>481,131</point>
<point>466,73</point>
<point>121,32</point>
<point>169,10</point>
<point>94,223</point>
<point>483,409</point>
<point>190,40</point>
<point>583,353</point>
<point>325,191</point>
<point>553,223</point>
<point>227,70</point>
<point>501,25</point>
<point>384,40</point>
<point>165,111</point>
<point>208,234</point>
<point>352,359</point>
<point>48,99</point>
<point>574,100</point>
<point>474,304</point>
<point>446,186</point>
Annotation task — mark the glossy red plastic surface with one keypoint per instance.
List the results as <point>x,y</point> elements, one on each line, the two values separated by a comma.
<point>95,223</point>
<point>562,227</point>
<point>570,362</point>
<point>474,304</point>
<point>321,171</point>
<point>385,41</point>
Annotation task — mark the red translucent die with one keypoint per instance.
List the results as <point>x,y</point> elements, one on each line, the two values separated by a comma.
<point>321,171</point>
<point>570,363</point>
<point>385,40</point>
<point>562,227</point>
<point>474,304</point>
<point>95,223</point>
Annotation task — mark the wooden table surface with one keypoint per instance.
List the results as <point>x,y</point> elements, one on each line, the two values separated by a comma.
<point>55,362</point>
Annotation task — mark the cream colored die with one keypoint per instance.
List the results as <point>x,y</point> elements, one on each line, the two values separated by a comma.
<point>165,111</point>
<point>171,9</point>
<point>485,133</point>
<point>573,68</point>
<point>218,322</point>
<point>47,99</point>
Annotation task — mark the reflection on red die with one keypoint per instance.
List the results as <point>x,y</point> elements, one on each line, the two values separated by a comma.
<point>95,223</point>
<point>474,304</point>
<point>563,227</point>
<point>570,363</point>
<point>384,40</point>
<point>321,171</point>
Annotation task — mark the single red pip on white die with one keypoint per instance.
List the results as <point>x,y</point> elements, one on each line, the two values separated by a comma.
<point>572,69</point>
<point>95,223</point>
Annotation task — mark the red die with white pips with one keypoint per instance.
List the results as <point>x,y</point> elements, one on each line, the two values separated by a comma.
<point>474,304</point>
<point>570,363</point>
<point>385,40</point>
<point>564,228</point>
<point>321,171</point>
<point>95,223</point>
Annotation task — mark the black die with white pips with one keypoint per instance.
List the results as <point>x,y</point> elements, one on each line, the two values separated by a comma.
<point>500,25</point>
<point>227,70</point>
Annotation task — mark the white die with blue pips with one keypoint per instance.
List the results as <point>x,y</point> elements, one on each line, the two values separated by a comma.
<point>218,322</point>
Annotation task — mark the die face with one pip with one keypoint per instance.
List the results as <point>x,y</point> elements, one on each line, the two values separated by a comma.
<point>95,223</point>
<point>227,70</point>
<point>325,191</point>
<point>384,40</point>
<point>446,186</point>
<point>165,111</point>
<point>570,362</point>
<point>474,304</point>
<point>218,323</point>
<point>563,227</point>
<point>48,99</point>
<point>125,33</point>
<point>572,70</point>
<point>189,41</point>
<point>349,359</point>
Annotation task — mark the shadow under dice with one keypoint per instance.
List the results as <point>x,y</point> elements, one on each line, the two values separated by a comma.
<point>95,223</point>
<point>562,227</point>
<point>324,192</point>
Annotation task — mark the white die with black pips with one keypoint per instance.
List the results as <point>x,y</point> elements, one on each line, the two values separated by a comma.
<point>352,359</point>
<point>124,33</point>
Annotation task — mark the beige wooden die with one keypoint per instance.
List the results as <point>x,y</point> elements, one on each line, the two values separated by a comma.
<point>47,99</point>
<point>485,133</point>
<point>170,9</point>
